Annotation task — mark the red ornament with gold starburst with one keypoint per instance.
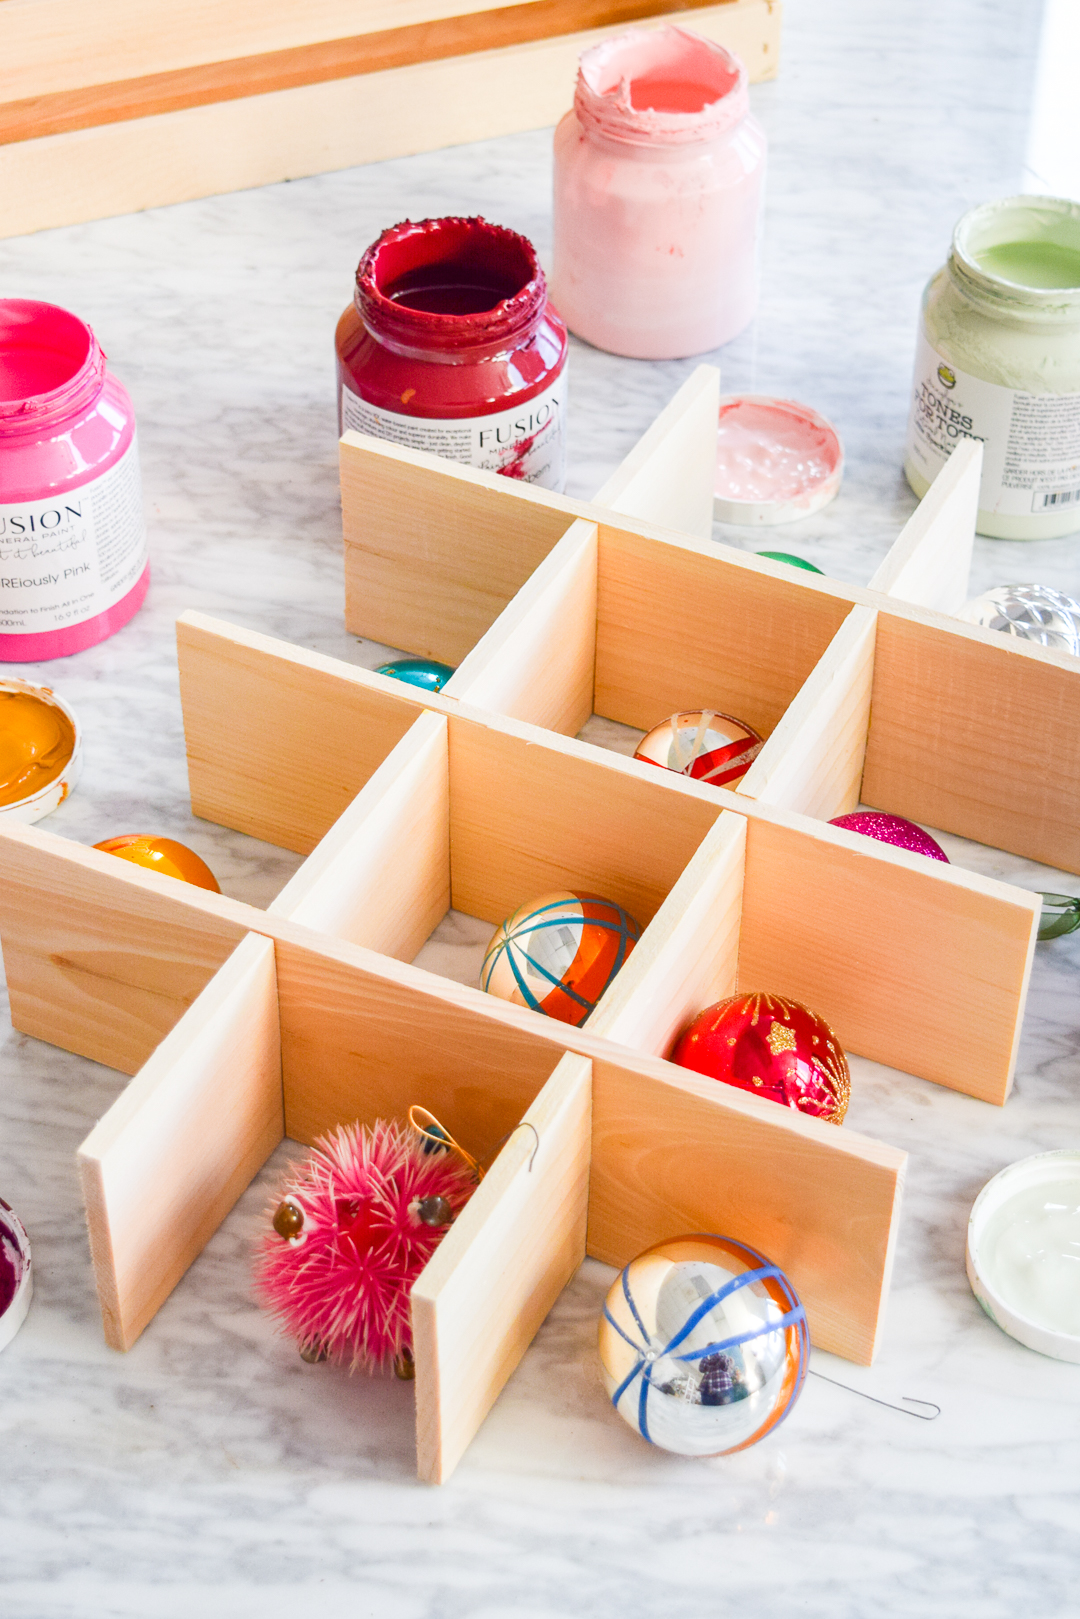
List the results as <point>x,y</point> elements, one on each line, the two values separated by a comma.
<point>771,1047</point>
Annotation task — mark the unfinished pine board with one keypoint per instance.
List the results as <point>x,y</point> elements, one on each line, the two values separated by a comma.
<point>976,733</point>
<point>537,662</point>
<point>930,562</point>
<point>916,964</point>
<point>169,1159</point>
<point>480,1300</point>
<point>666,1161</point>
<point>670,474</point>
<point>813,761</point>
<point>689,957</point>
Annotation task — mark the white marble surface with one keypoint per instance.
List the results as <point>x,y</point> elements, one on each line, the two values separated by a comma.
<point>209,1471</point>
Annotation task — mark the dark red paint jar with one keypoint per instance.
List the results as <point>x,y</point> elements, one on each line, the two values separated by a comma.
<point>451,346</point>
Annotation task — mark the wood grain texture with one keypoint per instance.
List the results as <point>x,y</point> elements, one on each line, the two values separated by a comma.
<point>279,740</point>
<point>669,475</point>
<point>813,761</point>
<point>169,1159</point>
<point>930,563</point>
<point>670,1156</point>
<point>497,1272</point>
<point>915,964</point>
<point>381,875</point>
<point>689,956</point>
<point>537,661</point>
<point>976,733</point>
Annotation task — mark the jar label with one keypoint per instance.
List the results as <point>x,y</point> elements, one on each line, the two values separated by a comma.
<point>68,558</point>
<point>528,442</point>
<point>1031,442</point>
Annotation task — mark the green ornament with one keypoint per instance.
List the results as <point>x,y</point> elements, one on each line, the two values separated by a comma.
<point>1060,914</point>
<point>792,562</point>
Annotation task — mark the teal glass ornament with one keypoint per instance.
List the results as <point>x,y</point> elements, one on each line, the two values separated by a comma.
<point>423,672</point>
<point>792,561</point>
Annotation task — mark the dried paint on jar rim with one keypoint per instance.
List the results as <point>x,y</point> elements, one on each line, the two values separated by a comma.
<point>33,806</point>
<point>776,461</point>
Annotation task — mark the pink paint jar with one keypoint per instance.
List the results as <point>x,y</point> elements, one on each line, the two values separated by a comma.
<point>73,565</point>
<point>658,179</point>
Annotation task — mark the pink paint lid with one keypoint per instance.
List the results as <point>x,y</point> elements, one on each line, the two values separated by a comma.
<point>776,460</point>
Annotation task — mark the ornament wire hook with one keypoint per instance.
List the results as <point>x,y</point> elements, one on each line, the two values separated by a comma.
<point>427,1125</point>
<point>526,1124</point>
<point>935,1410</point>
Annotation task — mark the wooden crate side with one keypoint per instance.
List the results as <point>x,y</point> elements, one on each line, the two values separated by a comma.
<point>537,661</point>
<point>689,957</point>
<point>915,964</point>
<point>813,761</point>
<point>530,814</point>
<point>279,740</point>
<point>103,958</point>
<point>169,1159</point>
<point>498,1271</point>
<point>381,875</point>
<point>669,475</point>
<point>976,733</point>
<point>930,563</point>
<point>671,1155</point>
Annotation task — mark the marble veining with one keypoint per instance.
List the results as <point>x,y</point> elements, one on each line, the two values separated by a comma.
<point>210,1471</point>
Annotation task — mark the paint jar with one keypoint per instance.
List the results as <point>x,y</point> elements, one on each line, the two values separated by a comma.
<point>998,359</point>
<point>73,565</point>
<point>451,346</point>
<point>658,179</point>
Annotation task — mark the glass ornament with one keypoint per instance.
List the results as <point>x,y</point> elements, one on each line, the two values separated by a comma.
<point>165,855</point>
<point>1032,612</point>
<point>426,673</point>
<point>703,1345</point>
<point>772,1047</point>
<point>791,560</point>
<point>891,829</point>
<point>16,1274</point>
<point>1060,915</point>
<point>711,747</point>
<point>558,954</point>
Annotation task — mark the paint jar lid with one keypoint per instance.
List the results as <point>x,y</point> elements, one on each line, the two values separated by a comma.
<point>47,766</point>
<point>1023,1231</point>
<point>16,1280</point>
<point>776,461</point>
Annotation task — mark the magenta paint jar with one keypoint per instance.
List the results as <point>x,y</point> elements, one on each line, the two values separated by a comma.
<point>73,565</point>
<point>658,180</point>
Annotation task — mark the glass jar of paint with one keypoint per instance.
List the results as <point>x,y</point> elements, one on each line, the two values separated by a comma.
<point>658,180</point>
<point>73,565</point>
<point>450,346</point>
<point>998,359</point>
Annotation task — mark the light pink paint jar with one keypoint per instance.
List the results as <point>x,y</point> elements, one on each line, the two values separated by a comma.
<point>73,565</point>
<point>658,180</point>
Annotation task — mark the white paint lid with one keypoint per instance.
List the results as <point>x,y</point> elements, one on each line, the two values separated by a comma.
<point>17,1244</point>
<point>1007,1312</point>
<point>776,461</point>
<point>47,798</point>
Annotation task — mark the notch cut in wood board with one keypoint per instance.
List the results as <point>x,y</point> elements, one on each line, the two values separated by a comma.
<point>481,1299</point>
<point>169,1159</point>
<point>979,734</point>
<point>665,1161</point>
<point>537,662</point>
<point>689,957</point>
<point>381,875</point>
<point>813,761</point>
<point>670,474</point>
<point>920,966</point>
<point>279,740</point>
<point>930,563</point>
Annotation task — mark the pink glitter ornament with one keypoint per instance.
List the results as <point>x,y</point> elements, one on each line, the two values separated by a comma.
<point>891,829</point>
<point>354,1226</point>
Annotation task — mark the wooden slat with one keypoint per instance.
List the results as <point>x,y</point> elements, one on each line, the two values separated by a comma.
<point>914,963</point>
<point>167,1162</point>
<point>820,1202</point>
<point>930,562</point>
<point>813,761</point>
<point>670,474</point>
<point>498,1271</point>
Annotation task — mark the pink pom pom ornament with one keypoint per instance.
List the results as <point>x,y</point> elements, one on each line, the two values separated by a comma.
<point>354,1226</point>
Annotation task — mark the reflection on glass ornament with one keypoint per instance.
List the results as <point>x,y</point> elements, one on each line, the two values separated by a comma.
<point>559,953</point>
<point>772,1047</point>
<point>707,746</point>
<point>423,672</point>
<point>1033,612</point>
<point>703,1345</point>
<point>792,561</point>
<point>891,829</point>
<point>165,855</point>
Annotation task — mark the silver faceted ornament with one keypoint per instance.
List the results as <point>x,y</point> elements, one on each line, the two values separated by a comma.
<point>1033,612</point>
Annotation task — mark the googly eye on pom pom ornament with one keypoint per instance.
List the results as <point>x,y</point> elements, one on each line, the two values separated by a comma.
<point>352,1228</point>
<point>703,1345</point>
<point>772,1047</point>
